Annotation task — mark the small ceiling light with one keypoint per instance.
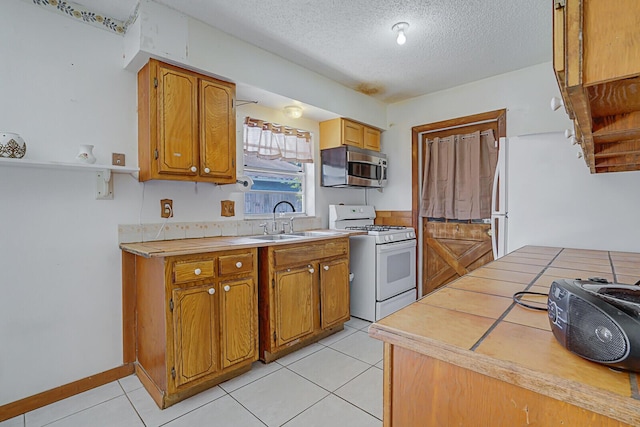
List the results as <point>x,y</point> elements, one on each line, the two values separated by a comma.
<point>399,29</point>
<point>293,111</point>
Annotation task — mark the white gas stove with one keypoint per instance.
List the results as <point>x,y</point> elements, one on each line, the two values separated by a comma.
<point>383,262</point>
<point>350,217</point>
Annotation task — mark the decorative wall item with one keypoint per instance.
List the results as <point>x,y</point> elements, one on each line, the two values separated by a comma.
<point>228,208</point>
<point>73,10</point>
<point>12,145</point>
<point>85,154</point>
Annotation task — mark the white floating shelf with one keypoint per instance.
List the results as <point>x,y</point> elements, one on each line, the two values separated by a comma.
<point>104,185</point>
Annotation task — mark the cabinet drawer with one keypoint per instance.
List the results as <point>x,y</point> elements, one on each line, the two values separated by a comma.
<point>301,254</point>
<point>234,264</point>
<point>189,271</point>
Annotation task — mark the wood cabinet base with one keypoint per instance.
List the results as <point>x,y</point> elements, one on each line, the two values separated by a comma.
<point>423,391</point>
<point>164,400</point>
<point>268,357</point>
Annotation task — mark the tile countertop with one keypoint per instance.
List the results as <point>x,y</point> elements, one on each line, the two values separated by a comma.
<point>164,248</point>
<point>473,323</point>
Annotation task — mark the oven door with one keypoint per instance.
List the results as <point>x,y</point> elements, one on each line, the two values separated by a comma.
<point>395,268</point>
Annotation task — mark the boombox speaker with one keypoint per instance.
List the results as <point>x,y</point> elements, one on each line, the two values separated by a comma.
<point>597,321</point>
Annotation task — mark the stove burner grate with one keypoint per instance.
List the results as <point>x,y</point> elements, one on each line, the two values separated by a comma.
<point>374,227</point>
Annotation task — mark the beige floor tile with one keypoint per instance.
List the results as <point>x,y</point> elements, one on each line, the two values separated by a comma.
<point>115,412</point>
<point>329,368</point>
<point>73,404</point>
<point>297,355</point>
<point>333,411</point>
<point>153,416</point>
<point>13,422</point>
<point>365,391</point>
<point>258,370</point>
<point>223,412</point>
<point>279,397</point>
<point>361,346</point>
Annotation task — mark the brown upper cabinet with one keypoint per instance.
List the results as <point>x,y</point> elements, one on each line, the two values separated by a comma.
<point>186,125</point>
<point>596,59</point>
<point>340,131</point>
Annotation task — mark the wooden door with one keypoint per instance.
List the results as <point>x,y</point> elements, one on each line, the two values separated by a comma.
<point>334,292</point>
<point>352,133</point>
<point>238,321</point>
<point>294,311</point>
<point>452,250</point>
<point>217,131</point>
<point>177,122</point>
<point>195,332</point>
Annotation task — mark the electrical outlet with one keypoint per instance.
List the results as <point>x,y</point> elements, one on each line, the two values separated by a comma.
<point>166,208</point>
<point>117,159</point>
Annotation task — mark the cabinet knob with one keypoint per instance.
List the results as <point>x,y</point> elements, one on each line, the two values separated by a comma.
<point>312,270</point>
<point>227,288</point>
<point>207,170</point>
<point>194,169</point>
<point>239,264</point>
<point>326,267</point>
<point>197,271</point>
<point>211,291</point>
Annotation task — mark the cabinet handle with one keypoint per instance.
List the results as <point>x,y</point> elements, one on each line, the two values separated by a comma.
<point>207,170</point>
<point>238,264</point>
<point>326,268</point>
<point>227,288</point>
<point>211,291</point>
<point>194,169</point>
<point>197,271</point>
<point>312,270</point>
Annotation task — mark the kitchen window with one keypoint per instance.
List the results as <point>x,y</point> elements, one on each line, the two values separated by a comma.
<point>273,181</point>
<point>275,158</point>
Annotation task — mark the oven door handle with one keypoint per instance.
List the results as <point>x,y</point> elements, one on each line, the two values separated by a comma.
<point>388,247</point>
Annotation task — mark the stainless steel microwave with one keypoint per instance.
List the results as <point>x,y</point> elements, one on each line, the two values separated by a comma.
<point>348,166</point>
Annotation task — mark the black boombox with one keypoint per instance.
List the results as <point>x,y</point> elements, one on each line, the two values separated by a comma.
<point>597,321</point>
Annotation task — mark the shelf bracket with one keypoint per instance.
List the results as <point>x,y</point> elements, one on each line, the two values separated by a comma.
<point>104,185</point>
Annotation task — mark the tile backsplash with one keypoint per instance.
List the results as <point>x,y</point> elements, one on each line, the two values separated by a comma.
<point>130,233</point>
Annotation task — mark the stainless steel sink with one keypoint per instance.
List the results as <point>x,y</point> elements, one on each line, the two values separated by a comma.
<point>276,237</point>
<point>314,233</point>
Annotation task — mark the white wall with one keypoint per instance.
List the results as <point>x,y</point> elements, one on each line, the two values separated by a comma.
<point>555,201</point>
<point>63,84</point>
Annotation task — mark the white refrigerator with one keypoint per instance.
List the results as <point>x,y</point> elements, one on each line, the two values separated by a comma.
<point>545,195</point>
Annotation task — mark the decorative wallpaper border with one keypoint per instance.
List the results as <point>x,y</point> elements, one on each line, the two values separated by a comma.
<point>73,10</point>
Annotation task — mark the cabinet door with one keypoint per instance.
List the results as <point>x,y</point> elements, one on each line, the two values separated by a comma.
<point>334,292</point>
<point>238,321</point>
<point>352,133</point>
<point>177,122</point>
<point>293,306</point>
<point>195,332</point>
<point>371,139</point>
<point>558,39</point>
<point>217,132</point>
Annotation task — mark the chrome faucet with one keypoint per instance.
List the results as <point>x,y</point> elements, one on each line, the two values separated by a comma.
<point>275,226</point>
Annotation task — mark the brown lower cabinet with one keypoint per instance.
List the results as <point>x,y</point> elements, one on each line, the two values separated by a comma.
<point>303,294</point>
<point>196,321</point>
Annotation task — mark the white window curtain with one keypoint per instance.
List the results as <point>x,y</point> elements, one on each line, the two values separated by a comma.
<point>273,141</point>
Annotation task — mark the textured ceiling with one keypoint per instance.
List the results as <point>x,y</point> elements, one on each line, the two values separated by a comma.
<point>449,42</point>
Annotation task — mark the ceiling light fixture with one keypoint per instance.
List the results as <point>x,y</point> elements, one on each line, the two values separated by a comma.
<point>399,29</point>
<point>293,111</point>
